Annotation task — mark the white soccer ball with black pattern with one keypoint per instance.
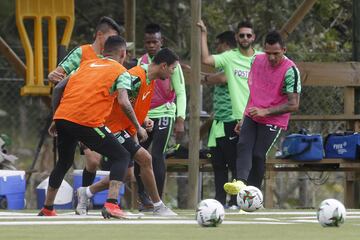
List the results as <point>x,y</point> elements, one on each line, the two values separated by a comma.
<point>331,213</point>
<point>250,199</point>
<point>210,213</point>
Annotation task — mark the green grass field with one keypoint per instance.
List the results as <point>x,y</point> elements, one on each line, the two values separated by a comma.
<point>264,224</point>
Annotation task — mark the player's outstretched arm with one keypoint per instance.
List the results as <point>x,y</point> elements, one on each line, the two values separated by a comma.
<point>206,58</point>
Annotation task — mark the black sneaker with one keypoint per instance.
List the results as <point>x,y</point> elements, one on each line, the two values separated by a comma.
<point>145,203</point>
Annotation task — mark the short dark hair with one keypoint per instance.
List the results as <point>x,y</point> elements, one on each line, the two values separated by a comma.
<point>114,43</point>
<point>245,24</point>
<point>152,28</point>
<point>227,37</point>
<point>166,55</point>
<point>274,37</point>
<point>107,23</point>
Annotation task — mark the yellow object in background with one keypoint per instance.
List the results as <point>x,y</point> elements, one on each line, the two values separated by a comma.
<point>38,11</point>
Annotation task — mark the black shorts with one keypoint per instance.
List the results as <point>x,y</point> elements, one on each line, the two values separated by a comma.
<point>128,143</point>
<point>98,139</point>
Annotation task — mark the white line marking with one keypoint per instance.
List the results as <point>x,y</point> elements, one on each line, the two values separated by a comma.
<point>266,219</point>
<point>304,221</point>
<point>283,213</point>
<point>127,222</point>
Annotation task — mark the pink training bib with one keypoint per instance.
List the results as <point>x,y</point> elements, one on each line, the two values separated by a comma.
<point>266,89</point>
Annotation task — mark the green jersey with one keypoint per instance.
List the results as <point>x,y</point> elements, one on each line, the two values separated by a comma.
<point>292,81</point>
<point>133,83</point>
<point>72,61</point>
<point>236,67</point>
<point>222,103</point>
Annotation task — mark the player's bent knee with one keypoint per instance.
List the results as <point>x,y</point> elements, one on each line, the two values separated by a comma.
<point>143,158</point>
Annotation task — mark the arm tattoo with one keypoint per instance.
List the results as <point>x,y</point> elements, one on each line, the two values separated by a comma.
<point>291,105</point>
<point>126,107</point>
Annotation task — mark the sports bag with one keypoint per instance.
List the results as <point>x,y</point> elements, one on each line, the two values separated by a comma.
<point>303,147</point>
<point>342,145</point>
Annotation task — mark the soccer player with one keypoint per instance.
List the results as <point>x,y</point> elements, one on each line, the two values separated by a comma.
<point>142,78</point>
<point>236,65</point>
<point>86,102</point>
<point>105,28</point>
<point>274,82</point>
<point>163,111</point>
<point>222,138</point>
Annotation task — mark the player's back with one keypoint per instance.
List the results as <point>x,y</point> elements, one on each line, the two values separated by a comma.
<point>88,96</point>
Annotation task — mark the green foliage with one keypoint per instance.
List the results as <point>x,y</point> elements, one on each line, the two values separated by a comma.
<point>325,34</point>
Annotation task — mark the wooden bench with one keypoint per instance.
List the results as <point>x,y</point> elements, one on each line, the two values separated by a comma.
<point>351,167</point>
<point>181,165</point>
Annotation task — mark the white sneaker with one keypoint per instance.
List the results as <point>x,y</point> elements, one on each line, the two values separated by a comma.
<point>83,200</point>
<point>163,211</point>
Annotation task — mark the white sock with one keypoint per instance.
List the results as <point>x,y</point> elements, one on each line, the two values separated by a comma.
<point>159,203</point>
<point>88,192</point>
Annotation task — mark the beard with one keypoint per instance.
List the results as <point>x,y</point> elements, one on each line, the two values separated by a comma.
<point>244,46</point>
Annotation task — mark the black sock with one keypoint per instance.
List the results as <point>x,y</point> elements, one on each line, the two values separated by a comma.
<point>51,207</point>
<point>111,200</point>
<point>88,178</point>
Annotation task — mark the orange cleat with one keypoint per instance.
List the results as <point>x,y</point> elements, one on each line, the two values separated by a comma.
<point>47,213</point>
<point>112,210</point>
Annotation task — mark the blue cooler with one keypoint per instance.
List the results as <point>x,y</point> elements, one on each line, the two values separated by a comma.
<point>63,198</point>
<point>100,197</point>
<point>12,188</point>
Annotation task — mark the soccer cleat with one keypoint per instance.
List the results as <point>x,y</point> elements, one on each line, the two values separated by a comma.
<point>234,187</point>
<point>112,210</point>
<point>145,204</point>
<point>163,211</point>
<point>83,201</point>
<point>47,213</point>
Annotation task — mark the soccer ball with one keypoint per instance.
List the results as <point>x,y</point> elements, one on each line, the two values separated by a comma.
<point>331,213</point>
<point>210,213</point>
<point>250,199</point>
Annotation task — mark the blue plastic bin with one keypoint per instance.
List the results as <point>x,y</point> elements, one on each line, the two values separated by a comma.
<point>12,187</point>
